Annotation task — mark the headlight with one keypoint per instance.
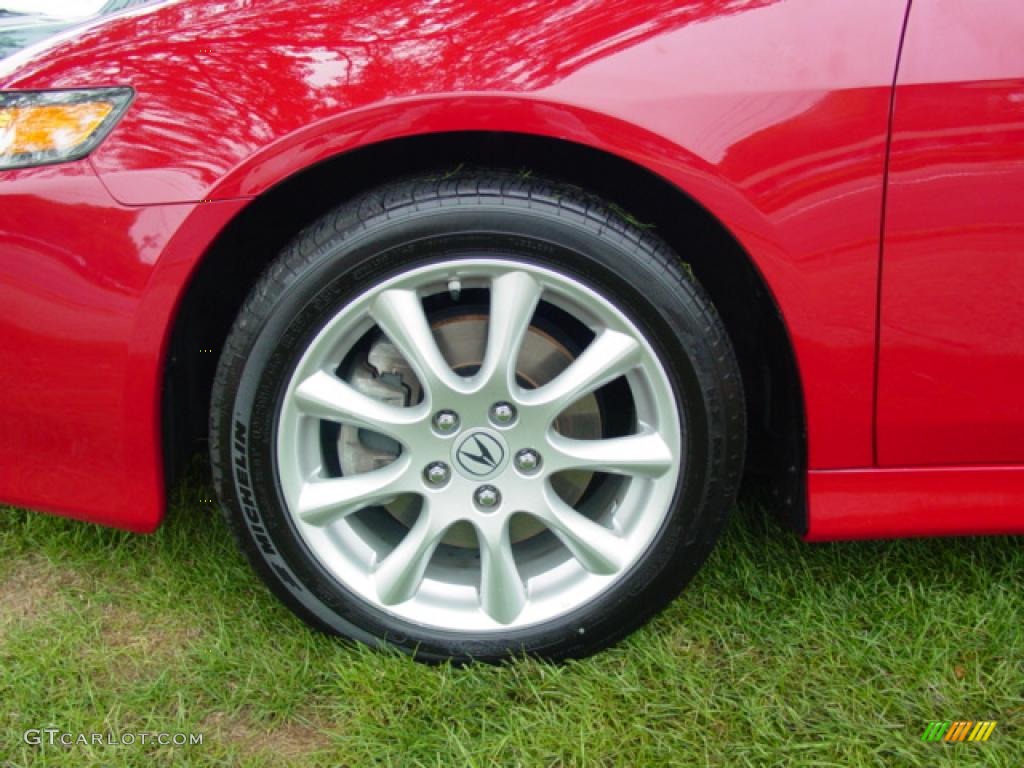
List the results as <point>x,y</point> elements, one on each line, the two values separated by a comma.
<point>43,127</point>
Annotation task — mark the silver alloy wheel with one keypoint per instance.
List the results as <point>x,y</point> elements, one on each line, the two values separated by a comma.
<point>500,584</point>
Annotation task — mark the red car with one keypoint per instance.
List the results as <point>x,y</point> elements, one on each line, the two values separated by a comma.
<point>485,309</point>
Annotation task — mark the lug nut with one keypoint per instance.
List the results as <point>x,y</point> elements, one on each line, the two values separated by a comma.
<point>446,422</point>
<point>437,474</point>
<point>487,497</point>
<point>503,414</point>
<point>527,460</point>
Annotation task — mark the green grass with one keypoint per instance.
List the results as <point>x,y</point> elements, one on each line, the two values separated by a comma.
<point>780,653</point>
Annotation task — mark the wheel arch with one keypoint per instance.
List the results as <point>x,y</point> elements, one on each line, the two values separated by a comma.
<point>230,266</point>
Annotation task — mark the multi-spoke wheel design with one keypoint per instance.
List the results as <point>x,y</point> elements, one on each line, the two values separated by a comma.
<point>477,415</point>
<point>476,443</point>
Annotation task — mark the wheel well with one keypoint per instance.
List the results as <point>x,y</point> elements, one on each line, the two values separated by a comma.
<point>776,439</point>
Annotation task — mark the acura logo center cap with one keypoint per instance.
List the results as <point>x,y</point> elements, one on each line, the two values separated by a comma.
<point>480,454</point>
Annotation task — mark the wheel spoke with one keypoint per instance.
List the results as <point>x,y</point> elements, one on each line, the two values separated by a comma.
<point>645,454</point>
<point>400,315</point>
<point>514,298</point>
<point>502,593</point>
<point>598,549</point>
<point>399,575</point>
<point>610,355</point>
<point>325,396</point>
<point>322,502</point>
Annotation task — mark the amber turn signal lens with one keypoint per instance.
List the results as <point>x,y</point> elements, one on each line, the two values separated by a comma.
<point>25,130</point>
<point>43,127</point>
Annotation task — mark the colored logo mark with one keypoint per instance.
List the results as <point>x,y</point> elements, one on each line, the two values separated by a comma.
<point>959,730</point>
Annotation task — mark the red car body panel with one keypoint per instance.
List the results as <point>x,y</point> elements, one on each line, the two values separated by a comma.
<point>929,501</point>
<point>87,286</point>
<point>951,374</point>
<point>772,114</point>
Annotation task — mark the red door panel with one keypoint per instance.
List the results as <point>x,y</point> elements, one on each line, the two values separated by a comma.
<point>951,366</point>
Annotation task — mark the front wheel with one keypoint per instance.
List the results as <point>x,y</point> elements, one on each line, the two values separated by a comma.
<point>477,416</point>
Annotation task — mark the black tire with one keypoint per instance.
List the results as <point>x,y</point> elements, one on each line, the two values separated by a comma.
<point>405,223</point>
